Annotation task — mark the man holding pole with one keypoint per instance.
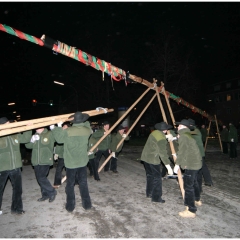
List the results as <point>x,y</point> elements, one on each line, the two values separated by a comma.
<point>116,138</point>
<point>103,147</point>
<point>204,171</point>
<point>59,156</point>
<point>155,151</point>
<point>42,143</point>
<point>75,140</point>
<point>190,160</point>
<point>10,166</point>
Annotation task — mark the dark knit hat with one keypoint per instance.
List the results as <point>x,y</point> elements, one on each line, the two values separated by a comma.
<point>162,126</point>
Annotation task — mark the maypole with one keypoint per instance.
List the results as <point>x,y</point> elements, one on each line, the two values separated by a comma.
<point>116,73</point>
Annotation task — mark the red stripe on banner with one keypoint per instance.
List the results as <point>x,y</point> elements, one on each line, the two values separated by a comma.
<point>20,34</point>
<point>2,28</point>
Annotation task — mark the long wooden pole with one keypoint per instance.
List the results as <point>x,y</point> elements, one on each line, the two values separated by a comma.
<point>42,122</point>
<point>219,136</point>
<point>180,180</point>
<point>128,132</point>
<point>119,120</point>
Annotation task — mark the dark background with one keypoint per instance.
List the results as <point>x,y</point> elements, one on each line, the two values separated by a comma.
<point>188,45</point>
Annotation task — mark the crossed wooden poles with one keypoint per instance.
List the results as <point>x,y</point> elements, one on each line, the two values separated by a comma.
<point>133,125</point>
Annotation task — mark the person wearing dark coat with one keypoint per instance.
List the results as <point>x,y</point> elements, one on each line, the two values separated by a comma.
<point>116,138</point>
<point>59,149</point>
<point>233,139</point>
<point>224,139</point>
<point>155,151</point>
<point>103,147</point>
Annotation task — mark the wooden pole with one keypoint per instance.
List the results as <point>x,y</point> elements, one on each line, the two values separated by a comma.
<point>130,129</point>
<point>42,122</point>
<point>219,136</point>
<point>207,135</point>
<point>119,120</point>
<point>180,180</point>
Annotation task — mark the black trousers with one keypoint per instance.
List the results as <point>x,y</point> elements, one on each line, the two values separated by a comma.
<point>81,175</point>
<point>114,162</point>
<point>154,182</point>
<point>58,173</point>
<point>41,172</point>
<point>94,166</point>
<point>191,188</point>
<point>225,147</point>
<point>205,174</point>
<point>98,156</point>
<point>233,150</point>
<point>16,181</point>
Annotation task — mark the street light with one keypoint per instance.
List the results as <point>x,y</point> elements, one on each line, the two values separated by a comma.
<point>11,103</point>
<point>60,83</point>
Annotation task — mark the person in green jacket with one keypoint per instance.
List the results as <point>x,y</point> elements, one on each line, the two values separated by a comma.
<point>233,139</point>
<point>10,166</point>
<point>204,171</point>
<point>42,143</point>
<point>91,157</point>
<point>103,147</point>
<point>190,160</point>
<point>155,151</point>
<point>224,139</point>
<point>116,138</point>
<point>59,157</point>
<point>75,142</point>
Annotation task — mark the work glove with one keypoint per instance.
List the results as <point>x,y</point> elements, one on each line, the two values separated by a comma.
<point>52,127</point>
<point>124,135</point>
<point>34,138</point>
<point>60,124</point>
<point>232,140</point>
<point>55,156</point>
<point>170,171</point>
<point>113,154</point>
<point>170,137</point>
<point>176,167</point>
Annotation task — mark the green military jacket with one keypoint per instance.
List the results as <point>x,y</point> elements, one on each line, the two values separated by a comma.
<point>188,155</point>
<point>204,134</point>
<point>232,133</point>
<point>106,142</point>
<point>10,156</point>
<point>59,149</point>
<point>196,134</point>
<point>75,140</point>
<point>42,149</point>
<point>155,149</point>
<point>91,142</point>
<point>116,138</point>
<point>224,135</point>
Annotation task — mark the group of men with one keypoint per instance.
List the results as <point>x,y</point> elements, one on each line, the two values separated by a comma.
<point>72,152</point>
<point>189,158</point>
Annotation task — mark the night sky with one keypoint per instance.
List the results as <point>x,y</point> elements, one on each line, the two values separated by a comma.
<point>188,45</point>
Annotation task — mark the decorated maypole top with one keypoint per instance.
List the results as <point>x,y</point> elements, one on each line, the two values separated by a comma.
<point>116,73</point>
